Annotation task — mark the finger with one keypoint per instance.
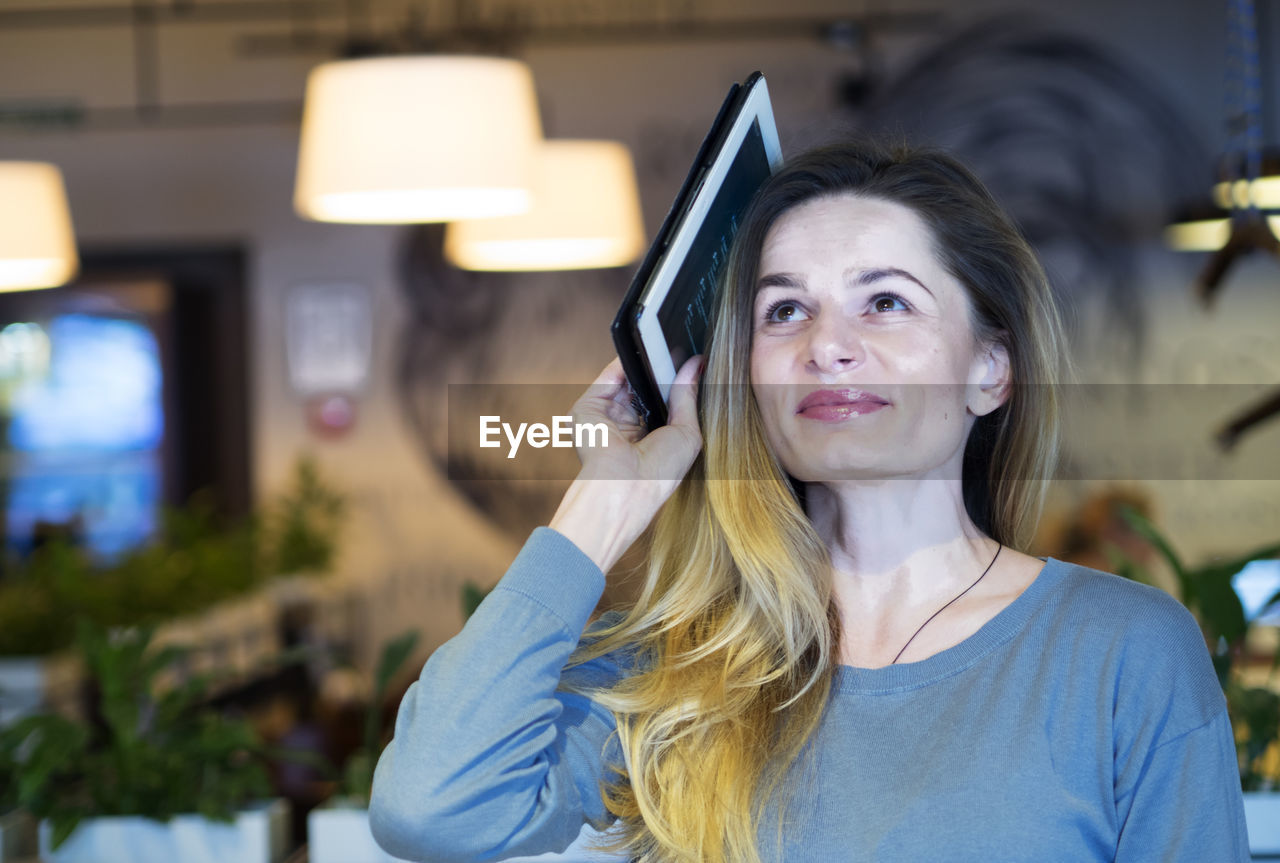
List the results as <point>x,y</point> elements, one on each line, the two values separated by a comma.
<point>607,387</point>
<point>611,375</point>
<point>610,398</point>
<point>622,408</point>
<point>683,405</point>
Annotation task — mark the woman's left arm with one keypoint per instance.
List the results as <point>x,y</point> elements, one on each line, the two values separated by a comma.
<point>1176,778</point>
<point>1186,803</point>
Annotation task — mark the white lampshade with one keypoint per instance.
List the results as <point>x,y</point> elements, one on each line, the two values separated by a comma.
<point>586,213</point>
<point>1202,235</point>
<point>37,245</point>
<point>1206,235</point>
<point>393,140</point>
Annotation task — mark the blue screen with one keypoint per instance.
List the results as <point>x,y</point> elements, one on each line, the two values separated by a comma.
<point>84,438</point>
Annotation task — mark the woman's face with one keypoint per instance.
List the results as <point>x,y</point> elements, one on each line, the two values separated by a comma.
<point>863,360</point>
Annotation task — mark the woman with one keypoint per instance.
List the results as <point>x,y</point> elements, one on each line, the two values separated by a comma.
<point>838,652</point>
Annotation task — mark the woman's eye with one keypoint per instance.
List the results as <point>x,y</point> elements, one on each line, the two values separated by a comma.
<point>879,303</point>
<point>782,312</point>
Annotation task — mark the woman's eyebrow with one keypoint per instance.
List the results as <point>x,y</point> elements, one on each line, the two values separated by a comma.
<point>780,280</point>
<point>875,274</point>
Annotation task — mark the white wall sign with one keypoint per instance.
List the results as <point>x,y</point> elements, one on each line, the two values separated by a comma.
<point>329,337</point>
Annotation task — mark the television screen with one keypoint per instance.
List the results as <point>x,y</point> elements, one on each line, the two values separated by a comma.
<point>84,433</point>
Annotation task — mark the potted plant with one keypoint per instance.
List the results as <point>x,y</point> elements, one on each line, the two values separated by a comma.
<point>35,629</point>
<point>1207,591</point>
<point>17,829</point>
<point>200,575</point>
<point>151,775</point>
<point>338,831</point>
<point>304,523</point>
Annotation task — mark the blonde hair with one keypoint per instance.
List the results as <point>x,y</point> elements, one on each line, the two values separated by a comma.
<point>735,625</point>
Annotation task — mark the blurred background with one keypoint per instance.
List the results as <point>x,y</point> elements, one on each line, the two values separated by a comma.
<point>223,376</point>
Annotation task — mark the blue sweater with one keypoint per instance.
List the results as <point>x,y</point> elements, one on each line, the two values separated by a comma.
<point>1081,723</point>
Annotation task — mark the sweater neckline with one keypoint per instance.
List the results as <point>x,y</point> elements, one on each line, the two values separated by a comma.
<point>1007,623</point>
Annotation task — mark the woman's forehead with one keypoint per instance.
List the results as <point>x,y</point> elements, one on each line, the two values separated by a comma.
<point>848,230</point>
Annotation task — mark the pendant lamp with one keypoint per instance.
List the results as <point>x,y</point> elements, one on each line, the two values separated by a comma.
<point>1247,193</point>
<point>586,213</point>
<point>1263,193</point>
<point>1202,227</point>
<point>37,245</point>
<point>1207,226</point>
<point>422,138</point>
<point>1198,235</point>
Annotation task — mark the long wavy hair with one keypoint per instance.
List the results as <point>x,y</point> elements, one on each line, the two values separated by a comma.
<point>735,623</point>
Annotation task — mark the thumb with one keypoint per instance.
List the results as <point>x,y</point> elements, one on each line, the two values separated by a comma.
<point>683,404</point>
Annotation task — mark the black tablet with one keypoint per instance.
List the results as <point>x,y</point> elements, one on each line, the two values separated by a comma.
<point>665,315</point>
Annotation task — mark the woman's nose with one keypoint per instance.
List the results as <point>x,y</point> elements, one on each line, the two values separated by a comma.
<point>835,346</point>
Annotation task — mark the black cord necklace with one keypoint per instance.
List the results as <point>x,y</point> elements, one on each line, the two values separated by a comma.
<point>945,607</point>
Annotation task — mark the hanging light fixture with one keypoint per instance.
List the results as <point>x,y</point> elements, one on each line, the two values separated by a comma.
<point>1247,195</point>
<point>422,138</point>
<point>1203,227</point>
<point>1206,227</point>
<point>1263,193</point>
<point>586,213</point>
<point>1245,199</point>
<point>37,245</point>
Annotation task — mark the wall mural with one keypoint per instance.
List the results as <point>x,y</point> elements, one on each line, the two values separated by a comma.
<point>543,335</point>
<point>1086,155</point>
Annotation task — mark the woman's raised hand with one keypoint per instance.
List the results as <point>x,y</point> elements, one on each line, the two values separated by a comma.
<point>621,486</point>
<point>664,454</point>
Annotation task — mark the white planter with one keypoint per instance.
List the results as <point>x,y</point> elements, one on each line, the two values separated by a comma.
<point>259,834</point>
<point>17,835</point>
<point>337,835</point>
<point>1262,814</point>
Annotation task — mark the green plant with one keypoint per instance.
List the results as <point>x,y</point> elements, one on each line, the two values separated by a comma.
<point>472,595</point>
<point>194,562</point>
<point>305,522</point>
<point>34,616</point>
<point>153,753</point>
<point>1208,593</point>
<point>8,782</point>
<point>1255,712</point>
<point>357,776</point>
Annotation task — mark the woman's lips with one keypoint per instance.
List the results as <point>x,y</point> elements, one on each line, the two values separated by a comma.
<point>837,405</point>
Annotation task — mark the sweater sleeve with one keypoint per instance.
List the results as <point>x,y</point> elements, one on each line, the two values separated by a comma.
<point>1177,780</point>
<point>489,760</point>
<point>1188,805</point>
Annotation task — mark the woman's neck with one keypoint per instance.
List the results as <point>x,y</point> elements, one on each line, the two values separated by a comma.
<point>902,549</point>
<point>898,543</point>
<point>875,526</point>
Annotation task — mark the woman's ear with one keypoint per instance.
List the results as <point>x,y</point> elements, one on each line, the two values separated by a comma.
<point>990,379</point>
